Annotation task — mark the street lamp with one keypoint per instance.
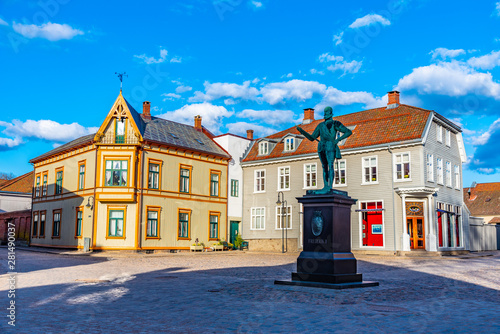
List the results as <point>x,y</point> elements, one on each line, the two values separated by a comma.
<point>89,204</point>
<point>284,239</point>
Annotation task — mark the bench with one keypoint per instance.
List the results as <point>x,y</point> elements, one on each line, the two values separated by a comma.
<point>244,245</point>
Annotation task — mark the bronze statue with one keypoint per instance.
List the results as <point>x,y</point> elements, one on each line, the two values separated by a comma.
<point>328,149</point>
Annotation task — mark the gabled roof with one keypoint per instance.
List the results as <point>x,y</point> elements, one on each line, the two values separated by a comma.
<point>78,142</point>
<point>21,184</point>
<point>372,127</point>
<point>484,199</point>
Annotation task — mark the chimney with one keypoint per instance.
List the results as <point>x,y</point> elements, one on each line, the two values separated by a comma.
<point>250,134</point>
<point>393,99</point>
<point>146,108</point>
<point>308,116</point>
<point>197,123</point>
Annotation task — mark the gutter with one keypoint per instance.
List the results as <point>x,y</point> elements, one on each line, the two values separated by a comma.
<point>393,200</point>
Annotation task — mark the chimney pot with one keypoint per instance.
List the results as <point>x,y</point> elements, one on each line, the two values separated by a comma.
<point>308,116</point>
<point>393,99</point>
<point>197,123</point>
<point>250,134</point>
<point>146,110</point>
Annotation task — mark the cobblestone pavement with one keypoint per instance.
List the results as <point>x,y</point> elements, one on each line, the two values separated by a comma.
<point>234,292</point>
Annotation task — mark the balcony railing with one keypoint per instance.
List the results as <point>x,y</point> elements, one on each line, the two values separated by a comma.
<point>130,138</point>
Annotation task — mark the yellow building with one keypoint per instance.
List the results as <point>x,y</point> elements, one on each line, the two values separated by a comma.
<point>139,183</point>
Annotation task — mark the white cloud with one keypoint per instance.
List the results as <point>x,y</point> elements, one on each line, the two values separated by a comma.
<point>256,4</point>
<point>219,89</point>
<point>50,31</point>
<point>451,79</point>
<point>289,75</point>
<point>315,71</point>
<point>3,23</point>
<point>240,128</point>
<point>333,97</point>
<point>176,60</point>
<point>170,96</point>
<point>212,115</point>
<point>182,89</point>
<point>298,90</point>
<point>45,130</point>
<point>9,142</point>
<point>152,60</point>
<point>268,116</point>
<point>337,39</point>
<point>339,64</point>
<point>369,20</point>
<point>497,9</point>
<point>486,62</point>
<point>444,53</point>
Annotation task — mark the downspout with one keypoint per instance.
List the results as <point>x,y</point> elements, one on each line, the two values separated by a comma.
<point>32,202</point>
<point>393,199</point>
<point>141,199</point>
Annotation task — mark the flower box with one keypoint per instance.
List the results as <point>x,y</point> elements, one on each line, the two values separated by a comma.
<point>218,247</point>
<point>196,248</point>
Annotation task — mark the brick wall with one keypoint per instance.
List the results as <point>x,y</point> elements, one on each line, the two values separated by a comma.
<point>22,221</point>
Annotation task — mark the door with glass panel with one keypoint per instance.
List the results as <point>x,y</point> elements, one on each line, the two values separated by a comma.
<point>415,227</point>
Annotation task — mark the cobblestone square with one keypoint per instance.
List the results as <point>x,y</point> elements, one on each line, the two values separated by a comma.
<point>233,292</point>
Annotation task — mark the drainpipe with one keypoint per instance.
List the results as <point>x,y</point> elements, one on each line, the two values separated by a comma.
<point>142,197</point>
<point>93,244</point>
<point>393,200</point>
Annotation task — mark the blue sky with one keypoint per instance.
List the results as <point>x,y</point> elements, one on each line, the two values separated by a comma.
<point>245,64</point>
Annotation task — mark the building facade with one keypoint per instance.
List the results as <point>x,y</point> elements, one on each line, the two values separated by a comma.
<point>139,183</point>
<point>403,164</point>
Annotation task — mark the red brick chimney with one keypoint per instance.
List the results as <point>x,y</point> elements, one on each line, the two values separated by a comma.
<point>197,123</point>
<point>250,134</point>
<point>393,99</point>
<point>146,110</point>
<point>308,116</point>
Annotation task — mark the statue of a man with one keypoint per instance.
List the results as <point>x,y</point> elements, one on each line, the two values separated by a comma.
<point>328,149</point>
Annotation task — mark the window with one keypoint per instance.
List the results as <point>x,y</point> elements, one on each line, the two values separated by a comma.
<point>234,188</point>
<point>154,176</point>
<point>34,230</point>
<point>448,138</point>
<point>372,224</point>
<point>116,223</point>
<point>184,185</point>
<point>183,232</point>
<point>263,148</point>
<point>214,183</point>
<point>370,170</point>
<point>120,131</point>
<point>449,225</point>
<point>402,166</point>
<point>153,222</point>
<point>44,186</point>
<point>284,178</point>
<point>439,170</point>
<point>56,224</point>
<point>260,181</point>
<point>214,225</point>
<point>81,176</point>
<point>79,219</point>
<point>59,181</point>
<point>340,172</point>
<point>430,168</point>
<point>310,175</point>
<point>37,187</point>
<point>42,224</point>
<point>457,177</point>
<point>289,144</point>
<point>448,174</point>
<point>116,173</point>
<point>258,221</point>
<point>439,133</point>
<point>287,216</point>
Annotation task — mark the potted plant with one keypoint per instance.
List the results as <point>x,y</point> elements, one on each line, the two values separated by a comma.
<point>197,246</point>
<point>218,246</point>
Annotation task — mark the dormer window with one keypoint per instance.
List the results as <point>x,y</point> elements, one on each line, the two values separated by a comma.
<point>120,131</point>
<point>263,148</point>
<point>289,144</point>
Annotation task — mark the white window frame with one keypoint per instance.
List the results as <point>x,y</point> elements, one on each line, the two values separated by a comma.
<point>363,182</point>
<point>360,215</point>
<point>449,180</point>
<point>288,209</point>
<point>289,144</point>
<point>336,167</point>
<point>430,167</point>
<point>263,148</point>
<point>439,133</point>
<point>448,138</point>
<point>439,171</point>
<point>395,163</point>
<point>305,175</point>
<point>256,184</point>
<point>284,176</point>
<point>262,215</point>
<point>457,177</point>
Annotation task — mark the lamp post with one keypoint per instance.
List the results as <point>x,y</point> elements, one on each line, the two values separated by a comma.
<point>90,205</point>
<point>284,239</point>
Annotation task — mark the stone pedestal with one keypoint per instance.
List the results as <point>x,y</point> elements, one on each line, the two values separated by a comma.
<point>326,260</point>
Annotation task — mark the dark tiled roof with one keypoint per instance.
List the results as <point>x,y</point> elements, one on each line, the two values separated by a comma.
<point>136,116</point>
<point>21,184</point>
<point>74,143</point>
<point>484,199</point>
<point>372,127</point>
<point>495,220</point>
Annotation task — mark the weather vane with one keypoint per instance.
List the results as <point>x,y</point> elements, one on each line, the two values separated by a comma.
<point>120,76</point>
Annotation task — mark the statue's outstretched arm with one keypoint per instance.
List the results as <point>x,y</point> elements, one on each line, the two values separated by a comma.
<point>305,134</point>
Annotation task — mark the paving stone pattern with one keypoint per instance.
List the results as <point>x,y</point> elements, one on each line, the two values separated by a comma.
<point>233,292</point>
